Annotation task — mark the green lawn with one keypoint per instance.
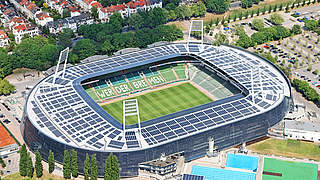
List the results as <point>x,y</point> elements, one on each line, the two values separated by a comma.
<point>287,148</point>
<point>289,170</point>
<point>159,103</point>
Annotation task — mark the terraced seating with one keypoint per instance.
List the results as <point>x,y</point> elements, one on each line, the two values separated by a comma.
<point>215,85</point>
<point>132,76</point>
<point>101,84</point>
<point>180,71</point>
<point>117,80</point>
<point>150,72</point>
<point>167,73</point>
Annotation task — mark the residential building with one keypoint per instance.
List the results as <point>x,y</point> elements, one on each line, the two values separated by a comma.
<point>42,19</point>
<point>129,8</point>
<point>32,11</point>
<point>70,22</point>
<point>60,5</point>
<point>4,40</point>
<point>24,29</point>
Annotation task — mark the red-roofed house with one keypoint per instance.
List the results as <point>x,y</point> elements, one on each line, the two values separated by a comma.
<point>42,19</point>
<point>4,40</point>
<point>127,9</point>
<point>32,11</point>
<point>60,5</point>
<point>19,31</point>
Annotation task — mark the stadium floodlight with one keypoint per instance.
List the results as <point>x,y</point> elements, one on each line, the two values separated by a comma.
<point>62,58</point>
<point>130,108</point>
<point>196,26</point>
<point>256,84</point>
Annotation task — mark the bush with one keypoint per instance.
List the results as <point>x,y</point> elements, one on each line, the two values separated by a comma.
<point>3,164</point>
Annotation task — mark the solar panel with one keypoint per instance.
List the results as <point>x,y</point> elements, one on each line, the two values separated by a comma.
<point>192,177</point>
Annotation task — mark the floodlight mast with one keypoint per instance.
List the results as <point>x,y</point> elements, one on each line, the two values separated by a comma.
<point>65,62</point>
<point>58,64</point>
<point>195,27</point>
<point>130,108</point>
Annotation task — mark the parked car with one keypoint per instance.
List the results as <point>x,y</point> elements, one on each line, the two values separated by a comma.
<point>6,121</point>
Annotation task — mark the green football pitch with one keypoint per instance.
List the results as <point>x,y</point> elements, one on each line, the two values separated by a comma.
<point>289,170</point>
<point>159,103</point>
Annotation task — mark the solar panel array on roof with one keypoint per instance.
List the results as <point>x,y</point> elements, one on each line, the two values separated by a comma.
<point>192,177</point>
<point>65,107</point>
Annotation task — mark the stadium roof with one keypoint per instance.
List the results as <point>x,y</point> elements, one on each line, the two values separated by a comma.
<point>66,113</point>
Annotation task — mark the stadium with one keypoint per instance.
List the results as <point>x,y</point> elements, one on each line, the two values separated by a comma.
<point>160,101</point>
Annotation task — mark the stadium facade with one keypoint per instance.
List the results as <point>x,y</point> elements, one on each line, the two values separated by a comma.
<point>62,116</point>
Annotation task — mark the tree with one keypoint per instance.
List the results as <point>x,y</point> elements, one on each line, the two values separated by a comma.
<point>64,40</point>
<point>281,32</point>
<point>244,4</point>
<point>258,24</point>
<point>270,8</point>
<point>275,8</point>
<point>244,41</point>
<point>198,9</point>
<point>94,168</point>
<point>51,161</point>
<point>276,19</point>
<point>264,9</point>
<point>247,14</point>
<point>66,165</point>
<point>217,6</point>
<point>296,29</point>
<point>259,37</point>
<point>86,167</point>
<point>94,12</point>
<point>311,24</point>
<point>281,7</point>
<point>135,21</point>
<point>23,161</point>
<point>35,53</point>
<point>84,48</point>
<point>38,165</point>
<point>217,21</point>
<point>287,8</point>
<point>66,13</point>
<point>183,12</point>
<point>107,169</point>
<point>115,168</point>
<point>29,166</point>
<point>74,157</point>
<point>5,87</point>
<point>309,68</point>
<point>3,164</point>
<point>220,39</point>
<point>249,3</point>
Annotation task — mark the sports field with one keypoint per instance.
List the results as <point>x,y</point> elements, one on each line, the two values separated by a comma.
<point>162,102</point>
<point>288,170</point>
<point>287,148</point>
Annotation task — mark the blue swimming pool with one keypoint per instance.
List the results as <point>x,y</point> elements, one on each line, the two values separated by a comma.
<point>242,162</point>
<point>221,174</point>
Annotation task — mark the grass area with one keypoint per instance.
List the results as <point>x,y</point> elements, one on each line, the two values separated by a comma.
<point>46,176</point>
<point>162,102</point>
<point>287,148</point>
<point>289,170</point>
